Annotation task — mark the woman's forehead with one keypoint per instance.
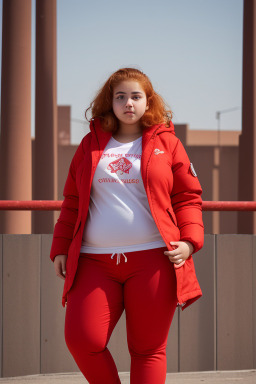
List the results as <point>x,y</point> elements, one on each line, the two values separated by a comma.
<point>129,86</point>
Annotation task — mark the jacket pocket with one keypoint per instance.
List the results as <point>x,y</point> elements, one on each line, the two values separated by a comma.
<point>172,216</point>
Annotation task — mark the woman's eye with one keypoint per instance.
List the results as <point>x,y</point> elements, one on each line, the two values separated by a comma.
<point>136,97</point>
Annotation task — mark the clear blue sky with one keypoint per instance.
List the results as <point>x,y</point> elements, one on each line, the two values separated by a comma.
<point>190,49</point>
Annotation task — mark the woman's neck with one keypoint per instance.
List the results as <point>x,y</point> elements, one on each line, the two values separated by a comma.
<point>125,134</point>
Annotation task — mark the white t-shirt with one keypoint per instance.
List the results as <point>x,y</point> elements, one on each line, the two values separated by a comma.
<point>119,217</point>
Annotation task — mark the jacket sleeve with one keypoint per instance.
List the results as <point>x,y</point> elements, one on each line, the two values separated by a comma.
<point>64,228</point>
<point>186,199</point>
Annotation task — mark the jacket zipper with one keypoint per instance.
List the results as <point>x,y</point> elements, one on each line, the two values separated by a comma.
<point>166,242</point>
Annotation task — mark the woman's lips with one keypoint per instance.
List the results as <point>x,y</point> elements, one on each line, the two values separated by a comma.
<point>130,113</point>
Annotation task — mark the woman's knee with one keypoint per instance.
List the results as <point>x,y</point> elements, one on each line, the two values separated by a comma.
<point>78,339</point>
<point>141,350</point>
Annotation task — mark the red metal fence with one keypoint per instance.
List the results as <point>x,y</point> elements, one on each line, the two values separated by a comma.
<point>52,205</point>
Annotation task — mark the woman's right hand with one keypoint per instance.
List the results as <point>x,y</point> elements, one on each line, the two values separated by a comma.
<point>60,265</point>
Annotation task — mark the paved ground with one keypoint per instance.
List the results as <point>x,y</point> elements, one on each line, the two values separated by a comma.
<point>218,377</point>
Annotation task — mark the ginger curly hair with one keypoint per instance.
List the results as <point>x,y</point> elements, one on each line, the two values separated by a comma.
<point>101,107</point>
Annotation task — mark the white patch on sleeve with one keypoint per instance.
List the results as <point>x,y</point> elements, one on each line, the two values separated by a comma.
<point>192,170</point>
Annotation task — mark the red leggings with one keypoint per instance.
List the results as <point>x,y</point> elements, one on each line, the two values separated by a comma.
<point>145,286</point>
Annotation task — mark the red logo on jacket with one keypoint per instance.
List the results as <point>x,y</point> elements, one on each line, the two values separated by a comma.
<point>122,165</point>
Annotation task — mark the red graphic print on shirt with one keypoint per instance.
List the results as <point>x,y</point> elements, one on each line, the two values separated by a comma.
<point>122,165</point>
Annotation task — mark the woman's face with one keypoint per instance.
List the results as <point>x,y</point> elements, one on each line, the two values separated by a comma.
<point>129,102</point>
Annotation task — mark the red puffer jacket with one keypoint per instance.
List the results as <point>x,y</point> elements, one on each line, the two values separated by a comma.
<point>172,188</point>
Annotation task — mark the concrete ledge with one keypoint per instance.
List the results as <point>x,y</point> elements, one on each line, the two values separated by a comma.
<point>211,377</point>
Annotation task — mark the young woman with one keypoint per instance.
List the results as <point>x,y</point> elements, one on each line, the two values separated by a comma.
<point>129,224</point>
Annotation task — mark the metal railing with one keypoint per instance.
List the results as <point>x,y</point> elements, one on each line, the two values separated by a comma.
<point>55,205</point>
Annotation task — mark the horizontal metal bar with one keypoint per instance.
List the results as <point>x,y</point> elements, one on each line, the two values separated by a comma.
<point>30,205</point>
<point>229,205</point>
<point>52,205</point>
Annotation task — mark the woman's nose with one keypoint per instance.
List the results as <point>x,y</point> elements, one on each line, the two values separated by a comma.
<point>129,102</point>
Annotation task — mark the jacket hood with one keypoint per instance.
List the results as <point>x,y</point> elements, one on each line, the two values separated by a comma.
<point>95,127</point>
<point>160,128</point>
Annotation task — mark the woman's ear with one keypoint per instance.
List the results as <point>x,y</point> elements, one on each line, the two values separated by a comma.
<point>147,107</point>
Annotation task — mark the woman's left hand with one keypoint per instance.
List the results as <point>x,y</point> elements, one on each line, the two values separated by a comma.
<point>181,253</point>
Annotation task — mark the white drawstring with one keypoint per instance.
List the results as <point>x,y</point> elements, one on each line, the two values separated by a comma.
<point>118,257</point>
